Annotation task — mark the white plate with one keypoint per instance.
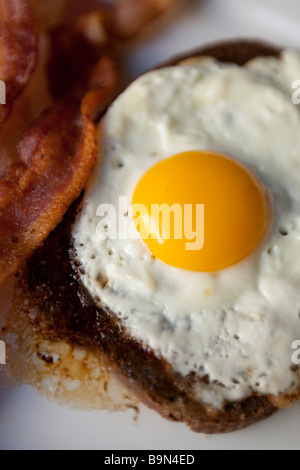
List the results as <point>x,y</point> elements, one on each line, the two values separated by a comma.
<point>29,422</point>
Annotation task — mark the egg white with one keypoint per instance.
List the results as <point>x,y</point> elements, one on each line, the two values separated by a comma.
<point>236,326</point>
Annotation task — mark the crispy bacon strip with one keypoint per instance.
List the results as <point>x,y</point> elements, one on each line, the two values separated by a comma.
<point>48,12</point>
<point>76,48</point>
<point>87,31</point>
<point>58,154</point>
<point>128,17</point>
<point>18,49</point>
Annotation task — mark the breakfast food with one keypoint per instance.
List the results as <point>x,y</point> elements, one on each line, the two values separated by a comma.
<point>212,349</point>
<point>91,29</point>
<point>18,50</point>
<point>58,153</point>
<point>76,75</point>
<point>121,18</point>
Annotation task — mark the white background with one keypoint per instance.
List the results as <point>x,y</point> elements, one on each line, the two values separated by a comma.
<point>29,422</point>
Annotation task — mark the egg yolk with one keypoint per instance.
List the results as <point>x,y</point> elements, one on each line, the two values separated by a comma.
<point>201,211</point>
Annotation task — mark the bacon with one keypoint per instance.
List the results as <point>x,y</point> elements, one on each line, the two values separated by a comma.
<point>76,49</point>
<point>88,30</point>
<point>18,49</point>
<point>130,16</point>
<point>58,154</point>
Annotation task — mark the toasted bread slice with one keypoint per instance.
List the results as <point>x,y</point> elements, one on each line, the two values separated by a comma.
<point>64,311</point>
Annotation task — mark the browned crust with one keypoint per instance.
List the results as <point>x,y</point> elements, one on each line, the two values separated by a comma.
<point>237,52</point>
<point>67,312</point>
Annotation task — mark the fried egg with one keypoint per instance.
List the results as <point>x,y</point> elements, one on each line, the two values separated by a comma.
<point>222,299</point>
